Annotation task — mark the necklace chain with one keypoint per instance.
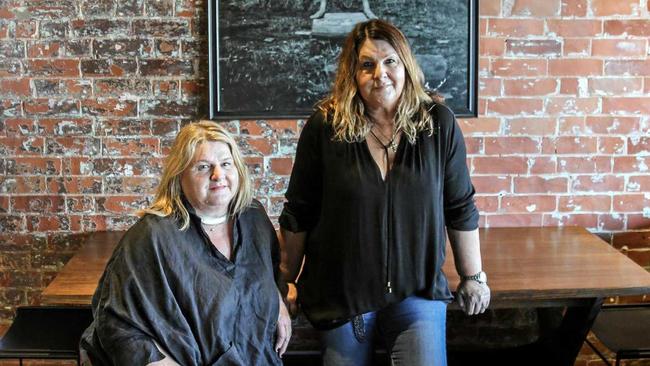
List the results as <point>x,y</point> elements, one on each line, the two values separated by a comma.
<point>391,144</point>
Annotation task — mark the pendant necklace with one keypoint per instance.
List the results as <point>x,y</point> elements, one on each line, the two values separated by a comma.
<point>392,142</point>
<point>211,223</point>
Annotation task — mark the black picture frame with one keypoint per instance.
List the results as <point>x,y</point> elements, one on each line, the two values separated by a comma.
<point>268,60</point>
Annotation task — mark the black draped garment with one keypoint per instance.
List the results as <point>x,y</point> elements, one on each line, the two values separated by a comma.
<point>372,242</point>
<point>176,289</point>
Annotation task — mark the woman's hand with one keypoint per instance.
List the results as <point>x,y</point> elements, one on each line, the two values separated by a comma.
<point>473,297</point>
<point>283,331</point>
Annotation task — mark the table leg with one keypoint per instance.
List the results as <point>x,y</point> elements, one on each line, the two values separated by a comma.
<point>563,347</point>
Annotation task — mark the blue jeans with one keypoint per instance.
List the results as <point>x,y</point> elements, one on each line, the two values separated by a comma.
<point>413,332</point>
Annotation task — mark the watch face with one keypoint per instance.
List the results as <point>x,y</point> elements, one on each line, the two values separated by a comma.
<point>482,277</point>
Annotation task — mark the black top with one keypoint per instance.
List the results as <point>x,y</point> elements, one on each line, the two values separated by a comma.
<point>372,242</point>
<point>175,288</point>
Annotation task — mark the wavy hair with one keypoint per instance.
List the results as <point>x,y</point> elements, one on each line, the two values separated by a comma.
<point>168,200</point>
<point>345,105</point>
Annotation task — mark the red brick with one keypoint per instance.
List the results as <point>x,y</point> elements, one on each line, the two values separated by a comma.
<point>542,164</point>
<point>489,87</point>
<point>22,184</point>
<point>618,48</point>
<point>99,27</point>
<point>281,166</point>
<point>577,46</point>
<point>42,49</point>
<point>575,27</point>
<point>169,108</point>
<point>38,204</point>
<point>18,127</point>
<point>586,165</point>
<point>16,87</point>
<point>255,165</point>
<point>130,185</point>
<point>164,47</point>
<point>76,145</point>
<point>597,183</point>
<point>613,125</point>
<point>166,88</point>
<point>192,88</point>
<point>473,145</point>
<point>638,183</point>
<point>119,87</point>
<point>574,145</point>
<point>65,126</point>
<point>515,106</point>
<point>512,145</point>
<point>533,47</point>
<point>141,146</point>
<point>80,204</point>
<point>589,221</point>
<point>12,146</point>
<point>518,67</point>
<point>631,164</point>
<point>515,27</point>
<point>631,202</point>
<point>51,107</point>
<point>33,166</point>
<point>537,184</point>
<point>490,8</point>
<point>109,107</point>
<point>528,204</point>
<point>53,223</point>
<point>628,67</point>
<point>647,86</point>
<point>257,146</point>
<point>637,221</point>
<point>12,223</point>
<point>481,125</point>
<point>611,222</point>
<point>491,184</point>
<point>535,8</point>
<point>575,67</point>
<point>112,67</point>
<point>26,29</point>
<point>626,106</point>
<point>638,145</point>
<point>611,145</point>
<point>574,8</point>
<point>263,128</point>
<point>585,203</point>
<point>615,86</point>
<point>166,67</point>
<point>531,126</point>
<point>499,165</point>
<point>161,28</point>
<point>64,185</point>
<point>10,68</point>
<point>53,67</point>
<point>122,48</point>
<point>569,86</point>
<point>492,46</point>
<point>487,203</point>
<point>121,204</point>
<point>570,105</point>
<point>620,7</point>
<point>530,87</point>
<point>629,27</point>
<point>482,27</point>
<point>516,220</point>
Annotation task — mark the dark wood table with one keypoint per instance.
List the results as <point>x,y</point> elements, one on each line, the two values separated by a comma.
<point>527,267</point>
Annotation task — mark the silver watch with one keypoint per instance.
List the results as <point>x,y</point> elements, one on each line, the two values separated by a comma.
<point>480,277</point>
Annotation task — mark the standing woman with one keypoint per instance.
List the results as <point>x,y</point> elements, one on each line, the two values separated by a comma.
<point>378,181</point>
<point>193,281</point>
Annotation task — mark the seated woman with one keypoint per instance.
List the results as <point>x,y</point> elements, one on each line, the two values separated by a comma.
<point>193,281</point>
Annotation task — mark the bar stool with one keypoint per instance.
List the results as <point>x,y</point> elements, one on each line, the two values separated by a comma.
<point>625,330</point>
<point>45,332</point>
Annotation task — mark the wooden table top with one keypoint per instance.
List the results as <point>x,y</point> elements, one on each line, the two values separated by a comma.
<point>526,266</point>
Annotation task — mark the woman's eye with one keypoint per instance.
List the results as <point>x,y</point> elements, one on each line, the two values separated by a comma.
<point>226,164</point>
<point>391,61</point>
<point>203,167</point>
<point>366,64</point>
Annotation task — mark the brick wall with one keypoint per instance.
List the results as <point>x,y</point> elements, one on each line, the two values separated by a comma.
<point>93,91</point>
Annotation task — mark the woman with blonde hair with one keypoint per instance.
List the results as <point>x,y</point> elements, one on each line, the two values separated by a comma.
<point>378,182</point>
<point>193,281</point>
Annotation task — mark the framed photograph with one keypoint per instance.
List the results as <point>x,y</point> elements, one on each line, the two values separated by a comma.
<point>277,59</point>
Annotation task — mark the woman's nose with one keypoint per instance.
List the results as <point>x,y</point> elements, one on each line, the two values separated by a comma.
<point>379,71</point>
<point>216,173</point>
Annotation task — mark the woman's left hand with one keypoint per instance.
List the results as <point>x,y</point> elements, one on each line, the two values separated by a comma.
<point>473,297</point>
<point>283,331</point>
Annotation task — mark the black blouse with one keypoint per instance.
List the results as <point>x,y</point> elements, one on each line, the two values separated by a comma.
<point>372,242</point>
<point>175,288</point>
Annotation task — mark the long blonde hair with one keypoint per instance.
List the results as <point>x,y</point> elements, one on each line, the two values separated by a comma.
<point>345,105</point>
<point>168,200</point>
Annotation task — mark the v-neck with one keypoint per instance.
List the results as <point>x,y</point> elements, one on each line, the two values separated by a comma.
<point>383,179</point>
